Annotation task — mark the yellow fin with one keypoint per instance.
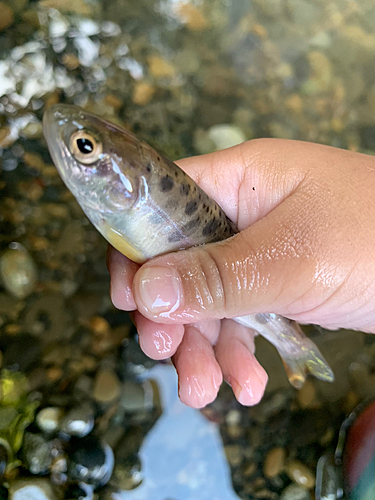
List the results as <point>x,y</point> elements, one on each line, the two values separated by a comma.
<point>118,241</point>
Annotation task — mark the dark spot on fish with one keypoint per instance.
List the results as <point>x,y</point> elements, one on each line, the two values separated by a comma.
<point>253,188</point>
<point>207,209</point>
<point>185,189</point>
<point>176,174</point>
<point>176,236</point>
<point>190,226</point>
<point>191,207</point>
<point>158,158</point>
<point>166,183</point>
<point>210,227</point>
<point>148,167</point>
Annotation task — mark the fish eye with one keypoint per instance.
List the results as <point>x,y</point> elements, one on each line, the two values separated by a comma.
<point>84,147</point>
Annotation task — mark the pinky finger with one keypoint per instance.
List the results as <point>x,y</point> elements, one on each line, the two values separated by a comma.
<point>235,354</point>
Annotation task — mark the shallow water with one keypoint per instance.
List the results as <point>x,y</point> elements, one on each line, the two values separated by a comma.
<point>190,78</point>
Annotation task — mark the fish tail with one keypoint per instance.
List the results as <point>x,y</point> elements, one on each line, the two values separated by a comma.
<point>309,361</point>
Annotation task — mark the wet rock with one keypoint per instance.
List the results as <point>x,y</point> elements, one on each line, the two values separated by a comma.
<point>192,16</point>
<point>160,67</point>
<point>107,387</point>
<point>300,474</point>
<point>6,16</point>
<point>270,8</point>
<point>137,362</point>
<point>37,453</point>
<point>234,454</point>
<point>78,421</point>
<point>91,461</point>
<point>226,135</point>
<point>18,271</point>
<point>33,488</point>
<point>49,419</point>
<point>274,462</point>
<point>295,492</point>
<point>307,397</point>
<point>143,93</point>
<point>127,473</point>
<point>137,397</point>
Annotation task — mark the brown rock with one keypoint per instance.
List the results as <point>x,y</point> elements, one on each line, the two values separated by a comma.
<point>160,68</point>
<point>192,16</point>
<point>274,462</point>
<point>300,474</point>
<point>6,16</point>
<point>107,386</point>
<point>143,93</point>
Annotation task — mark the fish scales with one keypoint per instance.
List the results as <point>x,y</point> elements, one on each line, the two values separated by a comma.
<point>145,206</point>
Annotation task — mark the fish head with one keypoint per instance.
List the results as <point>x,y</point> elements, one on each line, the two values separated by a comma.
<point>95,159</point>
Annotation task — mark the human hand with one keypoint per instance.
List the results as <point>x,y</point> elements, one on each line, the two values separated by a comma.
<point>306,250</point>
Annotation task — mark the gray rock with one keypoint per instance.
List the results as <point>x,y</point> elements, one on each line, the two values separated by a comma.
<point>295,492</point>
<point>18,271</point>
<point>79,421</point>
<point>32,489</point>
<point>37,452</point>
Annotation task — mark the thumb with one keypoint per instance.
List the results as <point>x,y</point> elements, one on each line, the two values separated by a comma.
<point>266,267</point>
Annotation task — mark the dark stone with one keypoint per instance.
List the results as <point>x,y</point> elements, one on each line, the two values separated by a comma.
<point>91,461</point>
<point>191,207</point>
<point>367,135</point>
<point>21,353</point>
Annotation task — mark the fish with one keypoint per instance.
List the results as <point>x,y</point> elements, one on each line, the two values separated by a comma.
<point>145,206</point>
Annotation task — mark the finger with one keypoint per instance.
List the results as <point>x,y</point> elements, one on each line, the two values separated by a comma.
<point>158,341</point>
<point>199,375</point>
<point>235,354</point>
<point>265,267</point>
<point>122,271</point>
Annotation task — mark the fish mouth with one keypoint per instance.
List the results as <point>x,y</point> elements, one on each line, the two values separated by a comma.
<point>54,120</point>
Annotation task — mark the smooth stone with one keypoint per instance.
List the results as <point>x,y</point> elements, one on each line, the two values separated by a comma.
<point>127,474</point>
<point>49,419</point>
<point>107,387</point>
<point>226,135</point>
<point>37,452</point>
<point>274,462</point>
<point>300,474</point>
<point>18,271</point>
<point>78,421</point>
<point>6,16</point>
<point>31,489</point>
<point>91,461</point>
<point>295,492</point>
<point>137,397</point>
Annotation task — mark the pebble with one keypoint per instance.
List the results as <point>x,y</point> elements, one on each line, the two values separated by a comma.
<point>226,135</point>
<point>137,397</point>
<point>274,462</point>
<point>107,386</point>
<point>306,396</point>
<point>295,492</point>
<point>192,16</point>
<point>37,452</point>
<point>143,92</point>
<point>78,421</point>
<point>18,271</point>
<point>49,418</point>
<point>91,461</point>
<point>127,474</point>
<point>6,16</point>
<point>160,68</point>
<point>300,474</point>
<point>234,454</point>
<point>31,489</point>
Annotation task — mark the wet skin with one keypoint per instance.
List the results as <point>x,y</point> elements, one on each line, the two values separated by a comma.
<point>312,209</point>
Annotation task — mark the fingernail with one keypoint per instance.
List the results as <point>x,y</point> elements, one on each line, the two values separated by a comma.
<point>160,289</point>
